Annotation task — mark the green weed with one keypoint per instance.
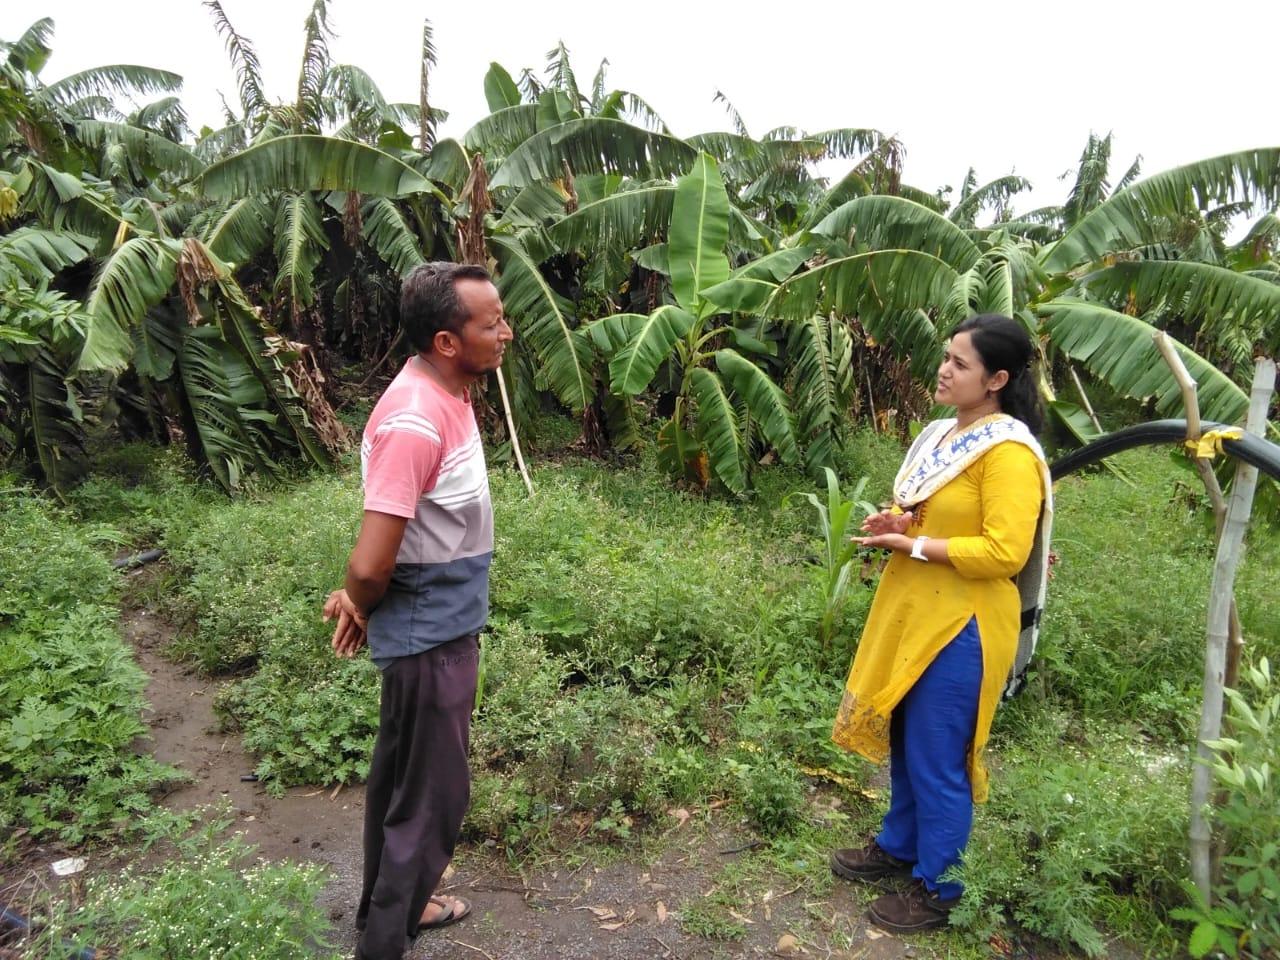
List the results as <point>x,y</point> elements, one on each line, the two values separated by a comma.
<point>70,694</point>
<point>212,900</point>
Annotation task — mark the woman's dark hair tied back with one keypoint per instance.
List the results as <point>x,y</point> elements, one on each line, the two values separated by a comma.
<point>1004,344</point>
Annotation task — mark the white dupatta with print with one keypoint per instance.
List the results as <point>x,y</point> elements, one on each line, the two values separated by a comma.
<point>931,465</point>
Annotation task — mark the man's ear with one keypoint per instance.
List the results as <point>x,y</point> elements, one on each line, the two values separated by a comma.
<point>445,343</point>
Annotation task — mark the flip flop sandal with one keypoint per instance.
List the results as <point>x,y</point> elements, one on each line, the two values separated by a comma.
<point>450,914</point>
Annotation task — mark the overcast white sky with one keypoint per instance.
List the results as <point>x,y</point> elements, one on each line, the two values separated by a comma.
<point>1002,85</point>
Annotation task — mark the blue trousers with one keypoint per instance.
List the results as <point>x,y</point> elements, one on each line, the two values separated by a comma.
<point>931,804</point>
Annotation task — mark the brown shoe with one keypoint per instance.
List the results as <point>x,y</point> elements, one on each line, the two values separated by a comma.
<point>912,910</point>
<point>868,863</point>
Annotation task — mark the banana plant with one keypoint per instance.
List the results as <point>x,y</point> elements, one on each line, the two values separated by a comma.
<point>723,398</point>
<point>1094,295</point>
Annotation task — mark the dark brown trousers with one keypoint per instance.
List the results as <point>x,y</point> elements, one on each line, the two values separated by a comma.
<point>418,790</point>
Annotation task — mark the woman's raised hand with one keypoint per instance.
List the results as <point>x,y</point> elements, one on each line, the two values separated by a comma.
<point>886,521</point>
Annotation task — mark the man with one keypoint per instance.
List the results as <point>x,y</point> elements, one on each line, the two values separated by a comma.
<point>417,591</point>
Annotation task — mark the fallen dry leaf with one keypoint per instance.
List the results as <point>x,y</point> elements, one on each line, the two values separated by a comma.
<point>873,933</point>
<point>681,814</point>
<point>737,916</point>
<point>788,946</point>
<point>662,912</point>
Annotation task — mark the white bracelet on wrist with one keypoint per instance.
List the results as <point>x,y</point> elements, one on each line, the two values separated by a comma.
<point>917,549</point>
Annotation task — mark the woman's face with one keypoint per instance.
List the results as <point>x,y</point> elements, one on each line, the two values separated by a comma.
<point>963,382</point>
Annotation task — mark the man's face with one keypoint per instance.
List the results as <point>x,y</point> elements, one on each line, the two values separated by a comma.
<point>483,339</point>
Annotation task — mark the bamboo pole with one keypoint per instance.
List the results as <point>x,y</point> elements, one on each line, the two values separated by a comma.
<point>1187,385</point>
<point>1230,546</point>
<point>511,428</point>
<point>1084,397</point>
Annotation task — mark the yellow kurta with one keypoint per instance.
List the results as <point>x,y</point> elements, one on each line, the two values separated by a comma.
<point>988,516</point>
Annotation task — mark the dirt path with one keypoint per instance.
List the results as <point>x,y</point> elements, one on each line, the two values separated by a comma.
<point>624,910</point>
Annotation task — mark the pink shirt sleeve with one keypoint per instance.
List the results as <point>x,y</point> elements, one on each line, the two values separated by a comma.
<point>402,465</point>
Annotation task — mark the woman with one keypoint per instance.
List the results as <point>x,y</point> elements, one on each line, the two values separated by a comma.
<point>972,502</point>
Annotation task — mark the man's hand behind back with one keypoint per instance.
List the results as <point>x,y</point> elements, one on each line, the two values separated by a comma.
<point>350,633</point>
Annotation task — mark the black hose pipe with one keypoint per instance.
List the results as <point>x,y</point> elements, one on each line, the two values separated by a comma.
<point>137,560</point>
<point>16,921</point>
<point>1254,451</point>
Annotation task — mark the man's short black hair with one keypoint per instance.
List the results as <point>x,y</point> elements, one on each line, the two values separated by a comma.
<point>429,300</point>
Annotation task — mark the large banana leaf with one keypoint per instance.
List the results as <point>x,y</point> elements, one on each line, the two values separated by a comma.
<point>1137,215</point>
<point>1041,233</point>
<point>1212,295</point>
<point>996,192</point>
<point>1076,419</point>
<point>108,81</point>
<point>241,231</point>
<point>765,399</point>
<point>52,417</point>
<point>542,317</point>
<point>751,285</point>
<point>391,235</point>
<point>987,287</point>
<point>626,218</point>
<point>845,142</point>
<point>556,107</point>
<point>499,89</point>
<point>610,334</point>
<point>447,163</point>
<point>699,231</point>
<point>820,377</point>
<point>911,335</point>
<point>155,345</point>
<point>621,104</point>
<point>746,160</point>
<point>66,203</point>
<point>776,266</point>
<point>865,283</point>
<point>650,342</point>
<point>748,235</point>
<point>535,206</point>
<point>503,130</point>
<point>622,422</point>
<point>300,242</point>
<point>223,142</point>
<point>307,162</point>
<point>1119,350</point>
<point>31,51</point>
<point>135,278</point>
<point>719,430</point>
<point>886,223</point>
<point>146,149</point>
<point>852,185</point>
<point>593,145</point>
<point>38,254</point>
<point>240,329</point>
<point>213,425</point>
<point>253,100</point>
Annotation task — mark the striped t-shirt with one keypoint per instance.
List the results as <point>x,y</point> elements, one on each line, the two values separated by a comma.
<point>421,458</point>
